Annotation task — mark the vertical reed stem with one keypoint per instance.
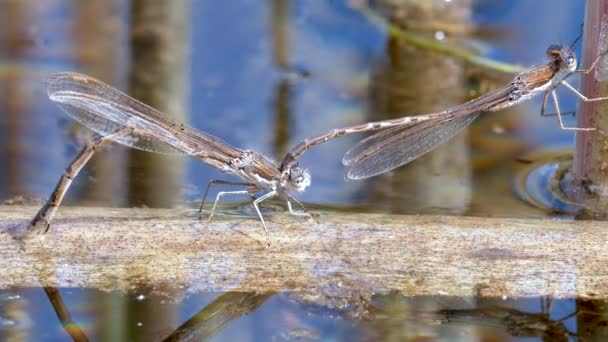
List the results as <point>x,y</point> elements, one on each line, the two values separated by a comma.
<point>591,155</point>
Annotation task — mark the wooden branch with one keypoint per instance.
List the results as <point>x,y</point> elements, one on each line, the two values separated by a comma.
<point>124,249</point>
<point>590,170</point>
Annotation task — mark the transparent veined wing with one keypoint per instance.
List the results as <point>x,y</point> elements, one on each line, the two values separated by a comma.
<point>401,145</point>
<point>106,110</point>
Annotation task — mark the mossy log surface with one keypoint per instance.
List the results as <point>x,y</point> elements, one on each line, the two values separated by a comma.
<point>125,249</point>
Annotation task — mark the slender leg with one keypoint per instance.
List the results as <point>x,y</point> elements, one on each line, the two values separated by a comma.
<point>297,213</point>
<point>581,96</point>
<point>216,181</point>
<point>597,59</point>
<point>42,221</point>
<point>257,208</point>
<point>256,203</point>
<point>559,116</point>
<point>544,106</point>
<point>220,195</point>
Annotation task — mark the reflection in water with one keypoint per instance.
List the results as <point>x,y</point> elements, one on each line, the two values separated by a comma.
<point>15,319</point>
<point>18,117</point>
<point>516,323</point>
<point>439,317</point>
<point>389,317</point>
<point>420,81</point>
<point>63,314</point>
<point>44,270</point>
<point>280,33</point>
<point>592,319</point>
<point>282,105</point>
<point>98,29</point>
<point>215,317</point>
<point>159,77</point>
<point>541,181</point>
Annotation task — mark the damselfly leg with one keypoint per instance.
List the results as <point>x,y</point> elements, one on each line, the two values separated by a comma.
<point>223,182</point>
<point>227,193</point>
<point>575,92</point>
<point>256,205</point>
<point>595,61</point>
<point>544,113</point>
<point>303,213</point>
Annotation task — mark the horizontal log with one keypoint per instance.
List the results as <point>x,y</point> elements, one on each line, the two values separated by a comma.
<point>125,249</point>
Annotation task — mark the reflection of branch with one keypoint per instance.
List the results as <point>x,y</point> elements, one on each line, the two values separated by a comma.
<point>64,314</point>
<point>44,271</point>
<point>517,323</point>
<point>212,319</point>
<point>433,45</point>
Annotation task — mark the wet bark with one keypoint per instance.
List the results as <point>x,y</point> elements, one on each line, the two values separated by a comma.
<point>122,249</point>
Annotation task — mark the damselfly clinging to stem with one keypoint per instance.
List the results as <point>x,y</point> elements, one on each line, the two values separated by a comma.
<point>116,117</point>
<point>408,138</point>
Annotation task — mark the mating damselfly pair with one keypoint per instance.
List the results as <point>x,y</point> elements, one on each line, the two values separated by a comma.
<point>116,117</point>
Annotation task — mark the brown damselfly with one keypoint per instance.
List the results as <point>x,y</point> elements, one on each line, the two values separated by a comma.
<point>405,139</point>
<point>116,117</point>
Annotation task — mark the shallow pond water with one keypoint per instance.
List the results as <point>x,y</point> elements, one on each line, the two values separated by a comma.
<point>287,317</point>
<point>263,76</point>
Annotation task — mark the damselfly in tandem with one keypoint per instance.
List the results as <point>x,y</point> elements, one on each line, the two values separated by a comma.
<point>408,138</point>
<point>116,117</point>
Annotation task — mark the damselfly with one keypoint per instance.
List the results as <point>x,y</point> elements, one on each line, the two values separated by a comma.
<point>116,117</point>
<point>410,137</point>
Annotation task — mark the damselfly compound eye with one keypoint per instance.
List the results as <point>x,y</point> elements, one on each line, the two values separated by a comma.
<point>553,50</point>
<point>570,60</point>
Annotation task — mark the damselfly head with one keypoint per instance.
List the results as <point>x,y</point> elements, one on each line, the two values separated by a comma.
<point>564,56</point>
<point>298,179</point>
<point>553,51</point>
<point>569,59</point>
